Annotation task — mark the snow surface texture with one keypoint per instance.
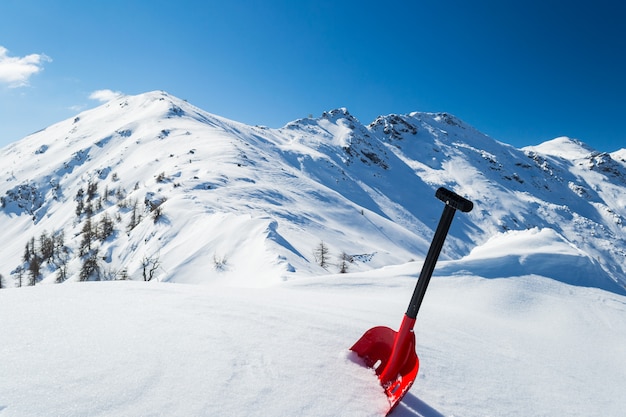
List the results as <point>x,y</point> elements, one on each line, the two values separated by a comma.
<point>525,314</point>
<point>503,347</point>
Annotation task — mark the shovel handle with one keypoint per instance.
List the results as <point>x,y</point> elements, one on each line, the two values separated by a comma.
<point>453,203</point>
<point>454,200</point>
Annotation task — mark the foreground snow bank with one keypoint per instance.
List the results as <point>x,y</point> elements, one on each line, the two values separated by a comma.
<point>515,347</point>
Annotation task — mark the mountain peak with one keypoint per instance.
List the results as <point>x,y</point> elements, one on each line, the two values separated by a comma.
<point>341,112</point>
<point>563,147</point>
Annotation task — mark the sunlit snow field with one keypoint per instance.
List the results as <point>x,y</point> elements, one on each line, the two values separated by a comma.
<point>488,347</point>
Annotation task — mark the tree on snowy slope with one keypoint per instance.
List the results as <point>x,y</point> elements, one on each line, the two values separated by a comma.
<point>344,260</point>
<point>89,233</point>
<point>19,275</point>
<point>150,266</point>
<point>321,254</point>
<point>91,267</point>
<point>34,268</point>
<point>51,250</point>
<point>135,217</point>
<point>105,228</point>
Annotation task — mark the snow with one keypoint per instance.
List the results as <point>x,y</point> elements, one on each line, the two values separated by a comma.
<point>524,315</point>
<point>515,347</point>
<point>563,147</point>
<point>619,155</point>
<point>363,190</point>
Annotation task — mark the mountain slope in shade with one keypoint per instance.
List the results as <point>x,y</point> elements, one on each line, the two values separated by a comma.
<point>188,196</point>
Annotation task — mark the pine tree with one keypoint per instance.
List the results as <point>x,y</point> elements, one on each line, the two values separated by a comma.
<point>46,247</point>
<point>92,189</point>
<point>27,253</point>
<point>105,228</point>
<point>34,268</point>
<point>80,205</point>
<point>88,236</point>
<point>59,242</point>
<point>88,209</point>
<point>91,267</point>
<point>32,246</point>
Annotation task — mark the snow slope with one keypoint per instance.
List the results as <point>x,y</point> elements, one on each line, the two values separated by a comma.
<point>365,191</point>
<point>529,346</point>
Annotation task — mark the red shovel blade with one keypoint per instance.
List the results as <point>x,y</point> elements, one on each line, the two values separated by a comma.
<point>392,355</point>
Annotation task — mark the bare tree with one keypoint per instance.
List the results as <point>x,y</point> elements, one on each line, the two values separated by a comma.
<point>344,260</point>
<point>135,217</point>
<point>321,254</point>
<point>19,272</point>
<point>150,266</point>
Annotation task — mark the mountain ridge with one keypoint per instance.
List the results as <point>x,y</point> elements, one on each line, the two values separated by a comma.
<point>363,190</point>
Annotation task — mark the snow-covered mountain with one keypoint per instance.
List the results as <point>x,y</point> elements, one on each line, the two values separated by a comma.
<point>152,184</point>
<point>151,187</point>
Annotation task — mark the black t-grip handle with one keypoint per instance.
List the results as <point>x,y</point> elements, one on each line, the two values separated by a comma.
<point>453,199</point>
<point>453,202</point>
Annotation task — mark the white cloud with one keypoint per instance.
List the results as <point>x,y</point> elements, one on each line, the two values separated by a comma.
<point>105,95</point>
<point>15,71</point>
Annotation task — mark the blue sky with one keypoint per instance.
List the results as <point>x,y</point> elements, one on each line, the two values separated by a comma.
<point>521,71</point>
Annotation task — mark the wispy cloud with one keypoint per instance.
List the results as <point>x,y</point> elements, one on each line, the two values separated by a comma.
<point>105,95</point>
<point>15,71</point>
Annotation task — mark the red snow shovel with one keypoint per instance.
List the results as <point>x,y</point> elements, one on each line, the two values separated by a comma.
<point>391,353</point>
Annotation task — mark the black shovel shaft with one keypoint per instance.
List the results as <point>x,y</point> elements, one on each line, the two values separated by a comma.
<point>453,202</point>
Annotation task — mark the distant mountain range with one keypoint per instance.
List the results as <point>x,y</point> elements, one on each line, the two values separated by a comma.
<point>151,187</point>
